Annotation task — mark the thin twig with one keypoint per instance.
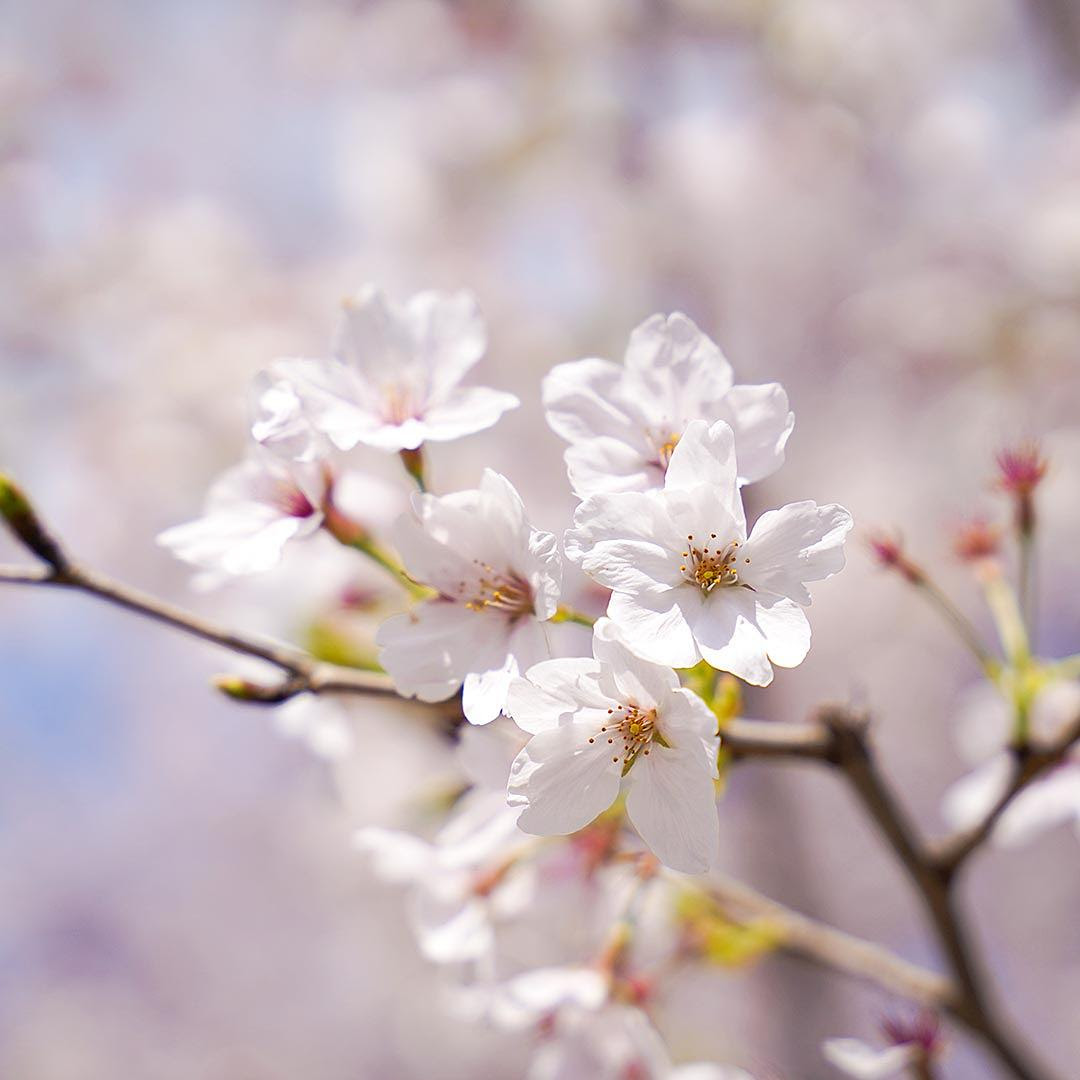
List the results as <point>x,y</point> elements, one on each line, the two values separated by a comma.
<point>811,940</point>
<point>304,673</point>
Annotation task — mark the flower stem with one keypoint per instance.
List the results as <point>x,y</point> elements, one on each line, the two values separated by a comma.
<point>960,623</point>
<point>567,614</point>
<point>413,460</point>
<point>1027,575</point>
<point>351,534</point>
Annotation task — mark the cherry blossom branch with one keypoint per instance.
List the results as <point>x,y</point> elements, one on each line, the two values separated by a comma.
<point>1029,762</point>
<point>303,673</point>
<point>814,941</point>
<point>850,751</point>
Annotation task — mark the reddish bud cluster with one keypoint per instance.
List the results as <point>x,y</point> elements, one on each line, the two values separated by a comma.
<point>889,551</point>
<point>1021,469</point>
<point>976,540</point>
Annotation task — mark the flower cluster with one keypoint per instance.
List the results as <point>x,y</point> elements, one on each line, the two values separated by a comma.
<point>557,743</point>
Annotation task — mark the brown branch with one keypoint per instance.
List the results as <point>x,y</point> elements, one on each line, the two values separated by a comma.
<point>1029,762</point>
<point>810,940</point>
<point>851,752</point>
<point>303,673</point>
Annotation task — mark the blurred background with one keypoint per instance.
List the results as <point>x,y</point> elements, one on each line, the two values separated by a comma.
<point>876,203</point>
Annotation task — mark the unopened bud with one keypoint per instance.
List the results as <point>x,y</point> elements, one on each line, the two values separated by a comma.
<point>1020,471</point>
<point>19,514</point>
<point>976,540</point>
<point>889,551</point>
<point>241,689</point>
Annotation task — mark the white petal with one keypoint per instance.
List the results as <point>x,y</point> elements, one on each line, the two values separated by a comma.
<point>562,780</point>
<point>451,929</point>
<point>970,799</point>
<point>1053,800</point>
<point>541,566</point>
<point>659,628</point>
<point>762,422</point>
<point>799,542</point>
<point>864,1062</point>
<point>609,464</point>
<point>578,400</point>
<point>729,637</point>
<point>672,804</point>
<point>464,411</point>
<point>429,651</point>
<point>372,335</point>
<point>552,693</point>
<point>246,540</point>
<point>627,677</point>
<point>785,627</point>
<point>622,516</point>
<point>674,349</point>
<point>448,336</point>
<point>634,566</point>
<point>484,693</point>
<point>706,455</point>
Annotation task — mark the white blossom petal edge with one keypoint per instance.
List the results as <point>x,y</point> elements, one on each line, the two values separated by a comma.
<point>688,583</point>
<point>497,581</point>
<point>856,1058</point>
<point>623,422</point>
<point>394,380</point>
<point>594,722</point>
<point>251,512</point>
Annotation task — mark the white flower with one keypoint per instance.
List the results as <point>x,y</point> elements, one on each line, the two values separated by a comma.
<point>595,721</point>
<point>624,421</point>
<point>864,1062</point>
<point>252,511</point>
<point>394,380</point>
<point>472,875</point>
<point>1053,799</point>
<point>497,580</point>
<point>687,583</point>
<point>585,1035</point>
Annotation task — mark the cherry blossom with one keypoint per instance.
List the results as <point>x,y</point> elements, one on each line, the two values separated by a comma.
<point>864,1062</point>
<point>688,583</point>
<point>472,874</point>
<point>394,379</point>
<point>914,1043</point>
<point>497,582</point>
<point>595,721</point>
<point>585,1033</point>
<point>624,421</point>
<point>251,512</point>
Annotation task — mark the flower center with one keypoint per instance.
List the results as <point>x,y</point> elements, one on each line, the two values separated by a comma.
<point>666,449</point>
<point>506,593</point>
<point>292,501</point>
<point>710,564</point>
<point>400,402</point>
<point>630,732</point>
